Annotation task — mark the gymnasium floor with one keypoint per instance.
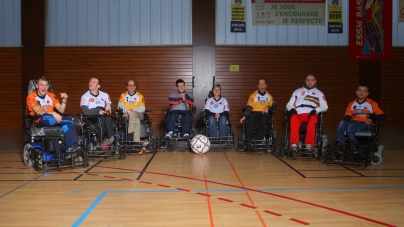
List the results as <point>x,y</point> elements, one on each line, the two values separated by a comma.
<point>219,188</point>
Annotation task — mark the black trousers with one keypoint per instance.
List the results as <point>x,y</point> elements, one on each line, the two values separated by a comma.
<point>104,126</point>
<point>260,119</point>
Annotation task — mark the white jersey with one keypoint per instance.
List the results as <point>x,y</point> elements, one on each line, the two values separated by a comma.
<point>305,100</point>
<point>94,101</point>
<point>217,106</point>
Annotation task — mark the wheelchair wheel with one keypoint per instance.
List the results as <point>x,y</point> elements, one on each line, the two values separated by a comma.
<point>39,162</point>
<point>78,161</point>
<point>163,143</point>
<point>380,150</point>
<point>28,150</point>
<point>376,160</point>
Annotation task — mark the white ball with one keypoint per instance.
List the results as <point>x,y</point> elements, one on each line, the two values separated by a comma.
<point>200,144</point>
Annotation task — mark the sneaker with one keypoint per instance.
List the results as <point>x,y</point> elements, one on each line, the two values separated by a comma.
<point>308,147</point>
<point>169,135</point>
<point>186,135</point>
<point>72,151</point>
<point>111,139</point>
<point>105,144</point>
<point>353,147</point>
<point>337,146</point>
<point>293,147</point>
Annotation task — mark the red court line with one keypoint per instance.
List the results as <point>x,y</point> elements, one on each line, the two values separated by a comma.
<point>108,176</point>
<point>207,188</point>
<point>273,213</point>
<point>241,182</point>
<point>185,190</point>
<point>126,179</point>
<point>92,174</point>
<point>163,185</point>
<point>262,192</point>
<point>200,193</point>
<point>249,206</point>
<point>299,221</point>
<point>226,200</point>
<point>145,182</point>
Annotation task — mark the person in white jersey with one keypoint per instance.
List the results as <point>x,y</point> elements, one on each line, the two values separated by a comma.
<point>217,111</point>
<point>98,104</point>
<point>304,105</point>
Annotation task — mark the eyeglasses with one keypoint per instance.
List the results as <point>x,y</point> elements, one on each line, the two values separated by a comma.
<point>131,85</point>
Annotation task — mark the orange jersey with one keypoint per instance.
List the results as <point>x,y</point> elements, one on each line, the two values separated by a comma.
<point>361,111</point>
<point>46,103</point>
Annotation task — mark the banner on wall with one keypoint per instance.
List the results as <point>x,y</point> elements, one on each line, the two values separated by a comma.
<point>334,16</point>
<point>370,30</point>
<point>288,12</point>
<point>237,15</point>
<point>401,11</point>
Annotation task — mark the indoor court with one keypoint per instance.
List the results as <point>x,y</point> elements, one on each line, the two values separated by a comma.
<point>220,188</point>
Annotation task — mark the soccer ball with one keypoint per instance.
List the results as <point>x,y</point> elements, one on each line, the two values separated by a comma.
<point>200,144</point>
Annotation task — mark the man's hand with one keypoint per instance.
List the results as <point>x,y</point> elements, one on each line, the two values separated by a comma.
<point>313,112</point>
<point>242,119</point>
<point>182,95</point>
<point>64,97</point>
<point>217,115</point>
<point>292,111</point>
<point>266,109</point>
<point>57,117</point>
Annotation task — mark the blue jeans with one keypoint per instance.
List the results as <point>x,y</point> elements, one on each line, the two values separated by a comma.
<point>185,121</point>
<point>212,126</point>
<point>351,127</point>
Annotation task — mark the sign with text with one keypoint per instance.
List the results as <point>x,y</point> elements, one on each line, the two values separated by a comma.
<point>370,30</point>
<point>288,12</point>
<point>401,11</point>
<point>334,16</point>
<point>237,15</point>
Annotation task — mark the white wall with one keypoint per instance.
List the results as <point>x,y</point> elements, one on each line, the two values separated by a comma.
<point>10,23</point>
<point>119,22</point>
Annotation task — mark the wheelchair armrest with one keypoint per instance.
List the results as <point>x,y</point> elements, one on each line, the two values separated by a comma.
<point>286,112</point>
<point>273,107</point>
<point>147,111</point>
<point>165,112</point>
<point>193,110</point>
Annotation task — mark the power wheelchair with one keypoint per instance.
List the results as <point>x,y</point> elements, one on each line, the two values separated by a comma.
<point>125,139</point>
<point>93,144</point>
<point>228,141</point>
<point>303,150</point>
<point>44,147</point>
<point>268,145</point>
<point>177,137</point>
<point>369,151</point>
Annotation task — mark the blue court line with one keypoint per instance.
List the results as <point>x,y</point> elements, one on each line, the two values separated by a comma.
<point>103,194</point>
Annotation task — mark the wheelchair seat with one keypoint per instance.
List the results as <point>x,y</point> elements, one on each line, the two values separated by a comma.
<point>268,145</point>
<point>147,144</point>
<point>369,150</point>
<point>91,142</point>
<point>44,147</point>
<point>177,137</point>
<point>303,150</point>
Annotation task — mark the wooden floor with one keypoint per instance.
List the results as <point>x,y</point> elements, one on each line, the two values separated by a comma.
<point>219,188</point>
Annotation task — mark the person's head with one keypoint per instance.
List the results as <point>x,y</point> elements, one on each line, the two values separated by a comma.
<point>94,84</point>
<point>261,85</point>
<point>217,90</point>
<point>310,81</point>
<point>180,84</point>
<point>362,92</point>
<point>131,85</point>
<point>42,85</point>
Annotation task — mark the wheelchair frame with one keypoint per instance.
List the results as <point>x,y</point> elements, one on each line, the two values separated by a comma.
<point>301,152</point>
<point>93,147</point>
<point>130,146</point>
<point>44,147</point>
<point>260,146</point>
<point>368,152</point>
<point>228,142</point>
<point>165,143</point>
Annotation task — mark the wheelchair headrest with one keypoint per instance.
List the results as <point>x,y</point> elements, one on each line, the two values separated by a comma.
<point>210,95</point>
<point>32,86</point>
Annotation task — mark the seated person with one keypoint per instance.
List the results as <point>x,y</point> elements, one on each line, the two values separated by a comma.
<point>304,105</point>
<point>257,111</point>
<point>42,102</point>
<point>133,105</point>
<point>217,110</point>
<point>180,101</point>
<point>359,116</point>
<point>96,102</point>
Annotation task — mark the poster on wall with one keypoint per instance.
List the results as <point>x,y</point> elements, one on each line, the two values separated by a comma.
<point>370,30</point>
<point>334,16</point>
<point>288,12</point>
<point>237,15</point>
<point>401,11</point>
